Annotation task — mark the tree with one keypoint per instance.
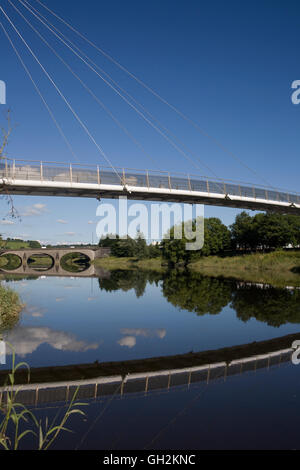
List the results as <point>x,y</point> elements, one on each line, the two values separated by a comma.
<point>273,230</point>
<point>34,244</point>
<point>141,248</point>
<point>266,230</point>
<point>129,247</point>
<point>124,248</point>
<point>154,250</point>
<point>108,241</point>
<point>243,232</point>
<point>173,249</point>
<point>216,241</point>
<point>294,224</point>
<point>216,237</point>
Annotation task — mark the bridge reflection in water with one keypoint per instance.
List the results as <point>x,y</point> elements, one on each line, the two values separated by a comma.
<point>57,268</point>
<point>140,382</point>
<point>58,271</point>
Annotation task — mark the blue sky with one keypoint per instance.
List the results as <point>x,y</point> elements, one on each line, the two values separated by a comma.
<point>227,65</point>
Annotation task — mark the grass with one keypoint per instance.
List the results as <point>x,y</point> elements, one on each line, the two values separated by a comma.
<point>15,245</point>
<point>112,263</point>
<point>17,421</point>
<point>278,268</point>
<point>10,308</point>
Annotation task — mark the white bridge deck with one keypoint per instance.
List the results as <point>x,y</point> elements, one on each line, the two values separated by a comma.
<point>21,177</point>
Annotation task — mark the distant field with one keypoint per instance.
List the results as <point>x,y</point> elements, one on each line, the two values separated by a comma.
<point>16,245</point>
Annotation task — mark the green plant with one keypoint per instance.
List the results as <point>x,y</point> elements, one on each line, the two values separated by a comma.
<point>10,308</point>
<point>16,416</point>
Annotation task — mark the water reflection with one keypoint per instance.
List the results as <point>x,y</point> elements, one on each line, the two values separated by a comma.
<point>139,319</point>
<point>126,280</point>
<point>135,314</point>
<point>207,295</point>
<point>195,293</point>
<point>131,334</point>
<point>266,304</point>
<point>26,340</point>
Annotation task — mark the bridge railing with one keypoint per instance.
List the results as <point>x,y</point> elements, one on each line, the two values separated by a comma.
<point>92,174</point>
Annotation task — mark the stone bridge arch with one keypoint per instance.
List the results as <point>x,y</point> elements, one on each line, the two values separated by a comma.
<point>56,254</point>
<point>41,255</point>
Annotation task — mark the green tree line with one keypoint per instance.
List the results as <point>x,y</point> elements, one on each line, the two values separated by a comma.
<point>263,231</point>
<point>130,247</point>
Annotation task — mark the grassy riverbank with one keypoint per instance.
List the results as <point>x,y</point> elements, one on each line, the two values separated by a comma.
<point>10,308</point>
<point>112,263</point>
<point>279,268</point>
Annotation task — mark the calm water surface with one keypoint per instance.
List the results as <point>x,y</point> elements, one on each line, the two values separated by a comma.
<point>135,315</point>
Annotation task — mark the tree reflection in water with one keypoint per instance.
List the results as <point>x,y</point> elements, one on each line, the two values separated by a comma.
<point>195,293</point>
<point>202,295</point>
<point>126,280</point>
<point>271,305</point>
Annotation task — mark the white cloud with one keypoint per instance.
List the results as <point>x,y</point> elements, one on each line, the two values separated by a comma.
<point>146,332</point>
<point>34,210</point>
<point>70,234</point>
<point>35,311</point>
<point>128,341</point>
<point>62,221</point>
<point>6,222</point>
<point>131,333</point>
<point>25,340</point>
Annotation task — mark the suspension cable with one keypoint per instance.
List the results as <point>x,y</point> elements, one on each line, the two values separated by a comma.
<point>170,133</point>
<point>39,93</point>
<point>96,98</point>
<point>154,93</point>
<point>62,95</point>
<point>166,137</point>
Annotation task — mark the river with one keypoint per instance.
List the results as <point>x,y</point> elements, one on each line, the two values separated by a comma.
<point>134,315</point>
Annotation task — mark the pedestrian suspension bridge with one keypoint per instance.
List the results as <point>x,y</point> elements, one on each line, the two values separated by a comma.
<point>39,178</point>
<point>57,179</point>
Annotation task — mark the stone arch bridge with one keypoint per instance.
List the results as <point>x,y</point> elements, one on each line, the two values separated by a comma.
<point>56,254</point>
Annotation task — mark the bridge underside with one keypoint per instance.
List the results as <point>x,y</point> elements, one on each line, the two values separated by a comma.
<point>59,189</point>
